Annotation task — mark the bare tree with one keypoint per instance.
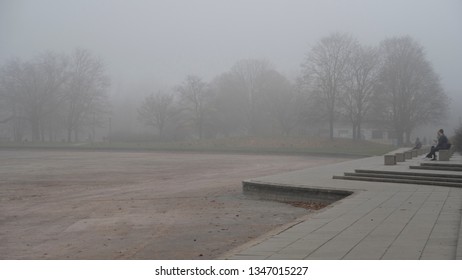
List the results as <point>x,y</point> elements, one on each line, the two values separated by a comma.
<point>8,74</point>
<point>195,96</point>
<point>252,98</point>
<point>229,114</point>
<point>325,70</point>
<point>7,119</point>
<point>280,101</point>
<point>86,92</point>
<point>248,76</point>
<point>34,90</point>
<point>458,138</point>
<point>156,111</point>
<point>409,87</point>
<point>361,80</point>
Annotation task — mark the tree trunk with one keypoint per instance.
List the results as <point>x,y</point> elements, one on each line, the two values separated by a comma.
<point>331,126</point>
<point>400,138</point>
<point>408,137</point>
<point>69,134</point>
<point>35,130</point>
<point>76,135</point>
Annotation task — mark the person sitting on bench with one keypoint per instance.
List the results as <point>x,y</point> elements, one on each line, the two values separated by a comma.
<point>418,144</point>
<point>443,144</point>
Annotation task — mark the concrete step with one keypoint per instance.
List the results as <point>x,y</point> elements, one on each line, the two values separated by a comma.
<point>400,181</point>
<point>457,165</point>
<point>433,167</point>
<point>406,177</point>
<point>409,173</point>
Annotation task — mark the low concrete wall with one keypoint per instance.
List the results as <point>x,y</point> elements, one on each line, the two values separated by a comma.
<point>285,193</point>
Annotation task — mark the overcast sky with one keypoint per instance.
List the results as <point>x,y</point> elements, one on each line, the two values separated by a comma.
<point>163,41</point>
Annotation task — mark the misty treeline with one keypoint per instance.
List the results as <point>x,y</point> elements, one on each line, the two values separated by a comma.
<point>391,86</point>
<point>53,95</point>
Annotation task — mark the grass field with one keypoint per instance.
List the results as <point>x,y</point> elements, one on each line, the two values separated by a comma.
<point>313,146</point>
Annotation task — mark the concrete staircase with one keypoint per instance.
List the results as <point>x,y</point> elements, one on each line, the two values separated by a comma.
<point>439,166</point>
<point>426,173</point>
<point>434,179</point>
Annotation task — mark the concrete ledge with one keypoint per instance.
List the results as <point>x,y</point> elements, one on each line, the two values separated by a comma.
<point>283,193</point>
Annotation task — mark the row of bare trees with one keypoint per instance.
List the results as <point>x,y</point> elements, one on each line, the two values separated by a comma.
<point>53,94</point>
<point>251,98</point>
<point>395,80</point>
<point>392,85</point>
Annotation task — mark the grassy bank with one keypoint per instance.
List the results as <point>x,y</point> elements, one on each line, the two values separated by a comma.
<point>313,146</point>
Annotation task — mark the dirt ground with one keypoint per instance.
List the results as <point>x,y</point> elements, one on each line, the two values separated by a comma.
<point>135,205</point>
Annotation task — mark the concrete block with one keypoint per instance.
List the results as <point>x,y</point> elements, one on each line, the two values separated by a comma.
<point>408,155</point>
<point>390,159</point>
<point>399,157</point>
<point>414,153</point>
<point>444,155</point>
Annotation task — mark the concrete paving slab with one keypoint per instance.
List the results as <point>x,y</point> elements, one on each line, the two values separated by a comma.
<point>378,221</point>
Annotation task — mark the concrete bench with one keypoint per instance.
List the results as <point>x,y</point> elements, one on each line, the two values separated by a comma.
<point>390,159</point>
<point>444,155</point>
<point>399,157</point>
<point>408,155</point>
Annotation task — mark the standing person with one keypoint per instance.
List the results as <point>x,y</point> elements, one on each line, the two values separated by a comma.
<point>442,144</point>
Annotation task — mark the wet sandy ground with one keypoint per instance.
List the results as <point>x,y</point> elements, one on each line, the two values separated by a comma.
<point>135,205</point>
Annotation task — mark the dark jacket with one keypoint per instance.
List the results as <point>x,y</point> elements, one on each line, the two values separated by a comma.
<point>443,143</point>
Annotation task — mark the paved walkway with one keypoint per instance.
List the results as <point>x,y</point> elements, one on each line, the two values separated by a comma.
<point>378,221</point>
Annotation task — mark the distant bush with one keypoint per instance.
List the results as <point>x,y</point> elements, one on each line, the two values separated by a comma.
<point>458,139</point>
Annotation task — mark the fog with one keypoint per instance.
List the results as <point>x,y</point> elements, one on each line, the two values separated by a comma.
<point>163,41</point>
<point>148,46</point>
